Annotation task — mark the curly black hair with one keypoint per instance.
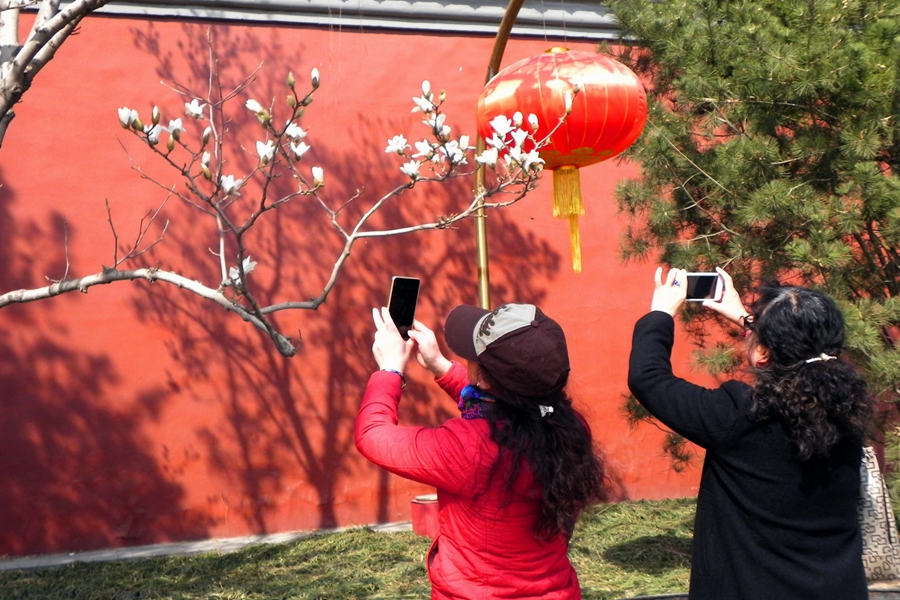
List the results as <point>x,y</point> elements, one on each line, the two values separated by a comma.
<point>820,402</point>
<point>557,448</point>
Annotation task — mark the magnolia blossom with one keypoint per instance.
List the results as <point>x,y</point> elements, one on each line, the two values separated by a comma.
<point>397,144</point>
<point>318,176</point>
<point>533,121</point>
<point>411,169</point>
<point>532,161</point>
<point>501,125</point>
<point>314,76</point>
<point>204,160</point>
<point>489,157</point>
<point>230,185</point>
<point>495,141</point>
<point>426,89</point>
<point>295,132</point>
<point>519,137</point>
<point>424,149</point>
<point>175,128</point>
<point>454,153</point>
<point>254,106</point>
<point>437,126</point>
<point>299,149</point>
<point>152,132</point>
<point>194,109</point>
<point>235,275</point>
<point>517,119</point>
<point>125,117</point>
<point>266,151</point>
<point>424,104</point>
<point>206,135</point>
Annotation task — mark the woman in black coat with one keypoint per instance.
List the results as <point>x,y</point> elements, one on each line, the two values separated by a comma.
<point>776,510</point>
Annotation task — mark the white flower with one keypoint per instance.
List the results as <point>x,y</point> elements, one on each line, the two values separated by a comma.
<point>411,169</point>
<point>175,128</point>
<point>488,157</point>
<point>453,152</point>
<point>204,160</point>
<point>125,117</point>
<point>295,132</point>
<point>397,144</point>
<point>437,126</point>
<point>314,76</point>
<point>206,135</point>
<point>235,275</point>
<point>533,121</point>
<point>154,115</point>
<point>532,161</point>
<point>424,104</point>
<point>517,119</point>
<point>464,142</point>
<point>425,150</point>
<point>519,137</point>
<point>230,185</point>
<point>426,89</point>
<point>318,176</point>
<point>501,125</point>
<point>152,132</point>
<point>299,149</point>
<point>194,109</point>
<point>495,141</point>
<point>266,151</point>
<point>254,106</point>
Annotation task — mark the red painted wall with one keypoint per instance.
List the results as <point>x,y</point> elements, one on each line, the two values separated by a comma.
<point>137,413</point>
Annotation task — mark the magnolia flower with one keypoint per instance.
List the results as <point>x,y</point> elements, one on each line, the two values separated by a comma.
<point>533,121</point>
<point>194,109</point>
<point>464,142</point>
<point>517,119</point>
<point>495,141</point>
<point>489,157</point>
<point>437,126</point>
<point>519,137</point>
<point>532,161</point>
<point>254,106</point>
<point>175,128</point>
<point>125,117</point>
<point>152,132</point>
<point>314,76</point>
<point>424,104</point>
<point>397,144</point>
<point>426,89</point>
<point>235,275</point>
<point>299,149</point>
<point>295,132</point>
<point>230,185</point>
<point>204,160</point>
<point>425,150</point>
<point>154,115</point>
<point>453,152</point>
<point>501,125</point>
<point>318,176</point>
<point>411,169</point>
<point>266,151</point>
<point>204,139</point>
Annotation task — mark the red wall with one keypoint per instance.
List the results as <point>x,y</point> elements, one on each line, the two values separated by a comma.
<point>137,413</point>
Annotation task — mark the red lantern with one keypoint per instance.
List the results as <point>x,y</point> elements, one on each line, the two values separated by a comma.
<point>607,116</point>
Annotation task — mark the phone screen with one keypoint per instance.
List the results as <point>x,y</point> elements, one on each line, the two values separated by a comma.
<point>703,286</point>
<point>402,303</point>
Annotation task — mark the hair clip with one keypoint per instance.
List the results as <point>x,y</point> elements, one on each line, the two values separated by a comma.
<point>823,357</point>
<point>545,410</point>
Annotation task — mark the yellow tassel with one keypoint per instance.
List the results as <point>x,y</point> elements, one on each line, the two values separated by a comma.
<point>567,205</point>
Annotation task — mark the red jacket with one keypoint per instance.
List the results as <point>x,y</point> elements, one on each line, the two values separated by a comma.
<point>485,548</point>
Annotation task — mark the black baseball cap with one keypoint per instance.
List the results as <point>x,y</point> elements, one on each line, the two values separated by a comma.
<point>519,346</point>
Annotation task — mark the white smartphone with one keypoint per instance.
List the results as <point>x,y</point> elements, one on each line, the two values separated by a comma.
<point>704,286</point>
<point>402,303</point>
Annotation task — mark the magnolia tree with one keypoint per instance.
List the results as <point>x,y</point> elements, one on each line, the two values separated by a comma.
<point>196,145</point>
<point>22,59</point>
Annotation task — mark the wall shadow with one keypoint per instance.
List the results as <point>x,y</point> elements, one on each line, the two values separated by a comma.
<point>287,424</point>
<point>77,473</point>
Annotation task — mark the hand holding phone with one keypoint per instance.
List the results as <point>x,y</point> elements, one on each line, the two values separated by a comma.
<point>402,303</point>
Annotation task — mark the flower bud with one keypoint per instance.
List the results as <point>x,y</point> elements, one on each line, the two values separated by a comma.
<point>154,115</point>
<point>307,101</point>
<point>315,78</point>
<point>204,160</point>
<point>517,119</point>
<point>206,135</point>
<point>443,96</point>
<point>170,143</point>
<point>206,172</point>
<point>137,124</point>
<point>290,80</point>
<point>291,101</point>
<point>318,176</point>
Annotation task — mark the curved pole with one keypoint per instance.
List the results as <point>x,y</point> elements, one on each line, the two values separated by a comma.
<point>481,253</point>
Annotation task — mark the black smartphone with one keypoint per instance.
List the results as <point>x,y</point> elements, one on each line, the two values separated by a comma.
<point>704,286</point>
<point>402,303</point>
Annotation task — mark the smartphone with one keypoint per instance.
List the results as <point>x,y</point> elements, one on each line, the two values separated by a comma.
<point>402,303</point>
<point>704,286</point>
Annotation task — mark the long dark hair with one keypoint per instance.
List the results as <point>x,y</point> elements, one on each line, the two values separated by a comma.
<point>823,401</point>
<point>557,448</point>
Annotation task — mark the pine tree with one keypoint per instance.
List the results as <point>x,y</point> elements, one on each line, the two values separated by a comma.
<point>772,149</point>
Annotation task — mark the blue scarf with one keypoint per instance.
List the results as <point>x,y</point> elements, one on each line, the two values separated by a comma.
<point>474,402</point>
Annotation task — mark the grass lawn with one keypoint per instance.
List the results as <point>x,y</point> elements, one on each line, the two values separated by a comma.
<point>620,551</point>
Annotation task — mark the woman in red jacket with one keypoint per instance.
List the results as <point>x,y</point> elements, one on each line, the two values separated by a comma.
<point>513,472</point>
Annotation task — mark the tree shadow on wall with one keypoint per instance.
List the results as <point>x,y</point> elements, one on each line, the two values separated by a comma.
<point>77,475</point>
<point>286,432</point>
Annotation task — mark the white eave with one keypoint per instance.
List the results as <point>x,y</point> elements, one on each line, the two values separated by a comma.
<point>551,19</point>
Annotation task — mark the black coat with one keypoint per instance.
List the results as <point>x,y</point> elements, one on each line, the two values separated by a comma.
<point>768,526</point>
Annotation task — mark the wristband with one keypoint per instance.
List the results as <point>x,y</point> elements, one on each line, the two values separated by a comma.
<point>398,374</point>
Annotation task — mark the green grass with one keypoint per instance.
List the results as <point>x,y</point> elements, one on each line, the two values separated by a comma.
<point>620,551</point>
